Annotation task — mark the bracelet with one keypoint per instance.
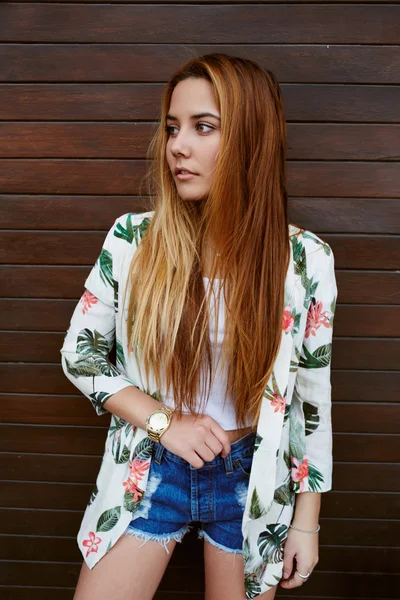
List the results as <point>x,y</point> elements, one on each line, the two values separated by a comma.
<point>306,530</point>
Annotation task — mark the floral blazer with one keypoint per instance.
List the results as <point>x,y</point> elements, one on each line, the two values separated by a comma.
<point>293,447</point>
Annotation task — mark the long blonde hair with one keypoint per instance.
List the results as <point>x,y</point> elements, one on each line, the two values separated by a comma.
<point>245,215</point>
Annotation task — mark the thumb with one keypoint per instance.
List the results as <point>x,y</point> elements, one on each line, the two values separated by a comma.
<point>287,565</point>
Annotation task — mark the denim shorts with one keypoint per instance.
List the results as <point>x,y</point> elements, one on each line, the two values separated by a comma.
<point>213,496</point>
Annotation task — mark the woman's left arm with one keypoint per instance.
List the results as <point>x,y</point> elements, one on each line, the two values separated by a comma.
<point>312,472</point>
<point>301,547</point>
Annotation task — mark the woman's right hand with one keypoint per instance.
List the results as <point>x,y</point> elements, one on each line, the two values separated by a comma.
<point>197,439</point>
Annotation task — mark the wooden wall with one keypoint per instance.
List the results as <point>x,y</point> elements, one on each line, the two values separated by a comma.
<point>80,87</point>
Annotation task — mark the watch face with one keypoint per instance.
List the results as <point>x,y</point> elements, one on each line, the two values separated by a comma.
<point>159,420</point>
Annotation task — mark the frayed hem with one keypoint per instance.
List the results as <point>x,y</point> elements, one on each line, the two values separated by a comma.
<point>163,539</point>
<point>203,534</point>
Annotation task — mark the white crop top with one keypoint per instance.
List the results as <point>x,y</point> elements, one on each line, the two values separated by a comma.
<point>224,415</point>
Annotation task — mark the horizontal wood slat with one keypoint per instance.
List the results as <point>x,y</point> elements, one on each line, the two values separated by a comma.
<point>331,558</point>
<point>359,585</point>
<point>341,215</point>
<point>300,23</point>
<point>311,141</point>
<point>358,353</point>
<point>17,466</point>
<point>101,176</point>
<point>114,62</point>
<point>141,101</point>
<point>378,417</point>
<point>46,315</point>
<point>90,441</point>
<point>65,248</point>
<point>67,282</point>
<point>356,386</point>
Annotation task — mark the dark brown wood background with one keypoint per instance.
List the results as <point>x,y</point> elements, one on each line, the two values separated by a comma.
<point>80,87</point>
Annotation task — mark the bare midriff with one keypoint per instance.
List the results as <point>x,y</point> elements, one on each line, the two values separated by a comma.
<point>236,434</point>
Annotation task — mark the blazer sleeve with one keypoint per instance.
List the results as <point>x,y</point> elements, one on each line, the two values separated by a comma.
<point>313,381</point>
<point>91,333</point>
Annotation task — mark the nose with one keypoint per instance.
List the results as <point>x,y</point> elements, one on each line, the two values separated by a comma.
<point>179,145</point>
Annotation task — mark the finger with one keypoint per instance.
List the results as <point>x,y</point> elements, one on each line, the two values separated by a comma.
<point>204,452</point>
<point>222,436</point>
<point>214,444</point>
<point>287,565</point>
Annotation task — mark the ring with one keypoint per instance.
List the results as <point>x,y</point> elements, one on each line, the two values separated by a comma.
<point>304,576</point>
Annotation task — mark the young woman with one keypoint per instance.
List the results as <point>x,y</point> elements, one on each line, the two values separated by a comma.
<point>221,314</point>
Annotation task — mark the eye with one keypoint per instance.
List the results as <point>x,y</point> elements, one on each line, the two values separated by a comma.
<point>168,128</point>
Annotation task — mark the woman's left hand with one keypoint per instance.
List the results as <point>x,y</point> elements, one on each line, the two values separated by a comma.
<point>300,553</point>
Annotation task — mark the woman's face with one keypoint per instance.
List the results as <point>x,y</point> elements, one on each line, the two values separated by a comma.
<point>193,140</point>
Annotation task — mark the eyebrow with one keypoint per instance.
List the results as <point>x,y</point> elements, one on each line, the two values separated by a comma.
<point>198,116</point>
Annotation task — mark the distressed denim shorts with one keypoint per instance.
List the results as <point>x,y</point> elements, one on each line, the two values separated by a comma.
<point>213,495</point>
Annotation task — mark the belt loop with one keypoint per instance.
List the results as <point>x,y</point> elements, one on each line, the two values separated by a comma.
<point>159,450</point>
<point>228,463</point>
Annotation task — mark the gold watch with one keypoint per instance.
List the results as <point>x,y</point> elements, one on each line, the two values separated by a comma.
<point>158,422</point>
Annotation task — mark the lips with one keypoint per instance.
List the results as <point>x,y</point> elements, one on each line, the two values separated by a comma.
<point>183,170</point>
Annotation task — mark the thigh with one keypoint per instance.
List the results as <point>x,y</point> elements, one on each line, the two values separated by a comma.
<point>129,571</point>
<point>224,575</point>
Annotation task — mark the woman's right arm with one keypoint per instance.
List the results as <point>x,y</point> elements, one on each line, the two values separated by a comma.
<point>84,358</point>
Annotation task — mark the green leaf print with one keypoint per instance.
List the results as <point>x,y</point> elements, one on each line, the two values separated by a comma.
<point>92,348</point>
<point>119,354</point>
<point>93,495</point>
<point>123,457</point>
<point>257,509</point>
<point>108,519</point>
<point>105,267</point>
<point>315,477</point>
<point>311,417</point>
<point>270,542</point>
<point>287,413</point>
<point>131,504</point>
<point>144,449</point>
<point>257,441</point>
<point>251,585</point>
<point>132,232</point>
<point>296,440</point>
<point>284,495</point>
<point>286,458</point>
<point>99,397</point>
<point>319,359</point>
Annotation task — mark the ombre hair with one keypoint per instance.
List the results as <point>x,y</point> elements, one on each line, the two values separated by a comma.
<point>245,216</point>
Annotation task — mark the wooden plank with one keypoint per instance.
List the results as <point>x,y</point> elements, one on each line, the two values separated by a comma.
<point>347,385</point>
<point>36,593</point>
<point>306,141</point>
<point>46,315</point>
<point>379,417</point>
<point>365,386</point>
<point>357,353</point>
<point>116,62</point>
<point>375,417</point>
<point>38,522</point>
<point>347,215</point>
<point>190,552</point>
<point>350,447</point>
<point>357,251</point>
<point>141,101</point>
<point>373,287</point>
<point>289,24</point>
<point>359,585</point>
<point>305,178</point>
<point>41,281</point>
<point>83,469</point>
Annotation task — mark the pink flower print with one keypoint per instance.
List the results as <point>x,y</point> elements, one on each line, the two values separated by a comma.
<point>287,320</point>
<point>137,469</point>
<point>278,402</point>
<point>88,299</point>
<point>300,471</point>
<point>92,543</point>
<point>315,318</point>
